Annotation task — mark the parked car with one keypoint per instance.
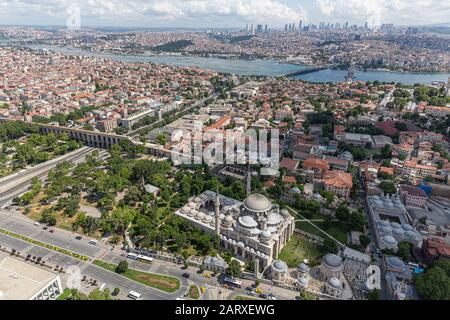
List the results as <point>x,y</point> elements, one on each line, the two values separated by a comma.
<point>51,230</point>
<point>186,275</point>
<point>251,293</point>
<point>78,237</point>
<point>263,296</point>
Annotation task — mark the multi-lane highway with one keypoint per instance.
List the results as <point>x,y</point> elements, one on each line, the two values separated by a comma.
<point>16,184</point>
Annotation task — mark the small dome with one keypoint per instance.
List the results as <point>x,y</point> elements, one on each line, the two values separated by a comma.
<point>395,225</point>
<point>192,205</point>
<point>274,218</point>
<point>207,218</point>
<point>247,222</point>
<point>240,244</point>
<point>303,281</point>
<point>407,227</point>
<point>398,232</point>
<point>257,202</point>
<point>332,260</point>
<point>384,223</point>
<point>295,190</point>
<point>199,216</point>
<point>192,213</point>
<point>197,200</point>
<point>185,210</point>
<point>386,230</point>
<point>265,234</point>
<point>410,234</point>
<point>395,262</point>
<point>389,240</point>
<point>335,283</point>
<point>302,267</point>
<point>284,213</point>
<point>280,266</point>
<point>228,218</point>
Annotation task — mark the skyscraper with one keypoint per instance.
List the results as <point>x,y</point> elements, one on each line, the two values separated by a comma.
<point>300,25</point>
<point>259,28</point>
<point>246,28</point>
<point>285,27</point>
<point>266,28</point>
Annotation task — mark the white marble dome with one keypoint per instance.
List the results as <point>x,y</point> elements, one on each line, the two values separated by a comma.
<point>257,203</point>
<point>247,222</point>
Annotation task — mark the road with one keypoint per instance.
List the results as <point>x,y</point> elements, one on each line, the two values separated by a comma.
<point>66,239</point>
<point>16,184</point>
<point>135,132</point>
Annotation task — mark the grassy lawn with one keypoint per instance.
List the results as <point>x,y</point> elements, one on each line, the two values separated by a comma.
<point>193,292</point>
<point>336,229</point>
<point>158,281</point>
<point>298,249</point>
<point>67,293</point>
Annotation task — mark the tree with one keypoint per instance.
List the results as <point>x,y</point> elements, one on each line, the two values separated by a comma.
<point>116,291</point>
<point>122,267</point>
<point>375,294</point>
<point>357,221</point>
<point>329,246</point>
<point>388,187</point>
<point>342,213</point>
<point>364,240</point>
<point>404,250</point>
<point>234,269</point>
<point>433,284</point>
<point>98,294</point>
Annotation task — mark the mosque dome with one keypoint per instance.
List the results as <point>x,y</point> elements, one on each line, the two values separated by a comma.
<point>280,266</point>
<point>207,218</point>
<point>265,234</point>
<point>407,227</point>
<point>386,230</point>
<point>335,283</point>
<point>398,232</point>
<point>410,234</point>
<point>383,223</point>
<point>332,260</point>
<point>395,262</point>
<point>200,215</point>
<point>389,240</point>
<point>257,202</point>
<point>284,213</point>
<point>395,225</point>
<point>247,222</point>
<point>302,267</point>
<point>197,200</point>
<point>303,281</point>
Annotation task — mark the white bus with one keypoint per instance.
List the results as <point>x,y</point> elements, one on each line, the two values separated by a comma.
<point>143,258</point>
<point>132,255</point>
<point>135,295</point>
<point>232,282</point>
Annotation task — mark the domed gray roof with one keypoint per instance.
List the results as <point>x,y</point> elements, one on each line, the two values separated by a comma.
<point>248,222</point>
<point>228,218</point>
<point>197,200</point>
<point>280,266</point>
<point>398,232</point>
<point>407,227</point>
<point>284,213</point>
<point>386,230</point>
<point>335,283</point>
<point>257,202</point>
<point>303,281</point>
<point>389,240</point>
<point>240,244</point>
<point>265,234</point>
<point>302,267</point>
<point>395,225</point>
<point>410,234</point>
<point>395,262</point>
<point>274,218</point>
<point>332,260</point>
<point>383,223</point>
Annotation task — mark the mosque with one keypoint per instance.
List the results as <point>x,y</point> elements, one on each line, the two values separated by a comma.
<point>253,230</point>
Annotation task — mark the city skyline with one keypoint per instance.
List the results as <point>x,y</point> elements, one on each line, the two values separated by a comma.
<point>224,14</point>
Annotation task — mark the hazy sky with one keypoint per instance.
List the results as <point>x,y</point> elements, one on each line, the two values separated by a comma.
<point>224,13</point>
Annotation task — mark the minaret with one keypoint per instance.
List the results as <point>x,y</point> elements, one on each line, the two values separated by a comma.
<point>217,212</point>
<point>249,181</point>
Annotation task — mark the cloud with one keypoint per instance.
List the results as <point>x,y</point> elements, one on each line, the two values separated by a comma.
<point>206,12</point>
<point>392,11</point>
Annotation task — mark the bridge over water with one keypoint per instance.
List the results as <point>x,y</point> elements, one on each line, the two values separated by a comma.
<point>305,71</point>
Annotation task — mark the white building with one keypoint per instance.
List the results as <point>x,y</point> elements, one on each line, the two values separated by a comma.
<point>22,281</point>
<point>253,229</point>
